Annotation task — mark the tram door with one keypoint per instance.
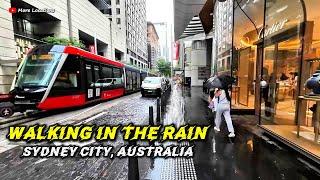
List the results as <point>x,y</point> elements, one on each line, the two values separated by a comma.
<point>97,87</point>
<point>92,76</point>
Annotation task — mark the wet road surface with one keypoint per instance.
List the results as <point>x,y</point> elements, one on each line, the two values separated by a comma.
<point>244,157</point>
<point>132,110</point>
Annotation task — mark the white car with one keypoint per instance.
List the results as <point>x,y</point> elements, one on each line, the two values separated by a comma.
<point>153,86</point>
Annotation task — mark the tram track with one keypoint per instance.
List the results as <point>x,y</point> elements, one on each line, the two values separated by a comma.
<point>71,116</point>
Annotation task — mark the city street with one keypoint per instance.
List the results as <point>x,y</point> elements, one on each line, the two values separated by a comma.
<point>245,157</point>
<point>128,109</point>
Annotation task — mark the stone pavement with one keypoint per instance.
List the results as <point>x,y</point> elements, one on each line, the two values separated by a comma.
<point>247,156</point>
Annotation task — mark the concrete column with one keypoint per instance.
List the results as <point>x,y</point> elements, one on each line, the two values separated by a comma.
<point>7,47</point>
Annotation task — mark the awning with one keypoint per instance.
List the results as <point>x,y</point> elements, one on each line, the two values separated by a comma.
<point>194,27</point>
<point>206,15</point>
<point>184,11</point>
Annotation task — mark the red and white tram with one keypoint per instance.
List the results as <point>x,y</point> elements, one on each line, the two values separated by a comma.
<point>56,77</point>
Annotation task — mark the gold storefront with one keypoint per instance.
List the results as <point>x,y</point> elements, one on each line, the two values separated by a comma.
<point>276,50</point>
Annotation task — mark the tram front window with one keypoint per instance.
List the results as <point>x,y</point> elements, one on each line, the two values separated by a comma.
<point>37,70</point>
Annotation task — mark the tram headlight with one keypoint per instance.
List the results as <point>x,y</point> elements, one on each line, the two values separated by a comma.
<point>40,90</point>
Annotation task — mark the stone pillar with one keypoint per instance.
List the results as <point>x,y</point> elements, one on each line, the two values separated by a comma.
<point>7,47</point>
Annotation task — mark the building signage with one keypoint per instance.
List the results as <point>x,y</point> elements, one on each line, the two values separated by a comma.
<point>203,72</point>
<point>273,29</point>
<point>176,50</point>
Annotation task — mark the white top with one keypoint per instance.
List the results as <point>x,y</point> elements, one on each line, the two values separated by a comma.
<point>223,98</point>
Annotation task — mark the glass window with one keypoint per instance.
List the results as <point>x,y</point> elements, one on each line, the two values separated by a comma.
<point>310,67</point>
<point>245,39</point>
<point>129,80</point>
<point>106,78</point>
<point>152,80</point>
<point>106,72</point>
<point>96,76</point>
<point>69,75</point>
<point>117,76</point>
<point>134,80</point>
<point>281,62</point>
<point>38,69</point>
<point>138,81</point>
<point>89,75</point>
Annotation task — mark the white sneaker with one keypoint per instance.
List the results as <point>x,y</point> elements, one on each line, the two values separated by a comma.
<point>231,135</point>
<point>216,129</point>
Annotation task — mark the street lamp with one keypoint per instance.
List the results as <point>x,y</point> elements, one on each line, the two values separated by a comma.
<point>166,51</point>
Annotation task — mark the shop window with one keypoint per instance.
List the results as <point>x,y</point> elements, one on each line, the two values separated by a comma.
<point>244,57</point>
<point>281,63</point>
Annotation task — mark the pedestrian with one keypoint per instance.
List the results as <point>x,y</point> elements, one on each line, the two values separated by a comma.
<point>212,102</point>
<point>223,108</point>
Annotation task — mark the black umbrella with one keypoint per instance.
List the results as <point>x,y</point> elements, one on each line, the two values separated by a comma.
<point>226,80</point>
<point>213,82</point>
<point>221,82</point>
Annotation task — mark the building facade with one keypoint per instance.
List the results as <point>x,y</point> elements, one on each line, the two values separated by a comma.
<point>136,32</point>
<point>153,45</point>
<point>272,49</point>
<point>273,54</point>
<point>130,26</point>
<point>103,25</point>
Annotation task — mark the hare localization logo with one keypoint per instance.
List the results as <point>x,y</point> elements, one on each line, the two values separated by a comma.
<point>30,10</point>
<point>12,10</point>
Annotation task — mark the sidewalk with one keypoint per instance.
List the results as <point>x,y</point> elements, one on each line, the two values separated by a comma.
<point>250,155</point>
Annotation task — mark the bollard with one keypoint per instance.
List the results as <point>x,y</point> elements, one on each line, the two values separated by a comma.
<point>151,120</point>
<point>133,164</point>
<point>158,111</point>
<point>133,169</point>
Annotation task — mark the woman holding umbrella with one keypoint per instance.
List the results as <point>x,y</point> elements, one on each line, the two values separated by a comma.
<point>223,101</point>
<point>223,108</point>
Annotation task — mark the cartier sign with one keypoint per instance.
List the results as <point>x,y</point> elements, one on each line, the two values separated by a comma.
<point>273,29</point>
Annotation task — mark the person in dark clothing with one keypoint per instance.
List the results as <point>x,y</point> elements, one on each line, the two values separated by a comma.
<point>284,77</point>
<point>204,88</point>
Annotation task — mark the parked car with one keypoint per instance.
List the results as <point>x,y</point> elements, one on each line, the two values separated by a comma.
<point>153,86</point>
<point>6,105</point>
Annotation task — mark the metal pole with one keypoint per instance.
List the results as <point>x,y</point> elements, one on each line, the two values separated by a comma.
<point>166,41</point>
<point>151,120</point>
<point>95,43</point>
<point>158,110</point>
<point>133,168</point>
<point>171,50</point>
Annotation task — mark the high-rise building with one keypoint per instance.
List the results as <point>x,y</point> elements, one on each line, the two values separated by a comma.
<point>153,45</point>
<point>136,22</point>
<point>130,18</point>
<point>21,29</point>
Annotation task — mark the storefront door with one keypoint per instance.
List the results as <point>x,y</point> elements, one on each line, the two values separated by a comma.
<point>280,72</point>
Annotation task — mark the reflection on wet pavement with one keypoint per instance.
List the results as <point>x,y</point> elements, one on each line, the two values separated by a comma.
<point>173,168</point>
